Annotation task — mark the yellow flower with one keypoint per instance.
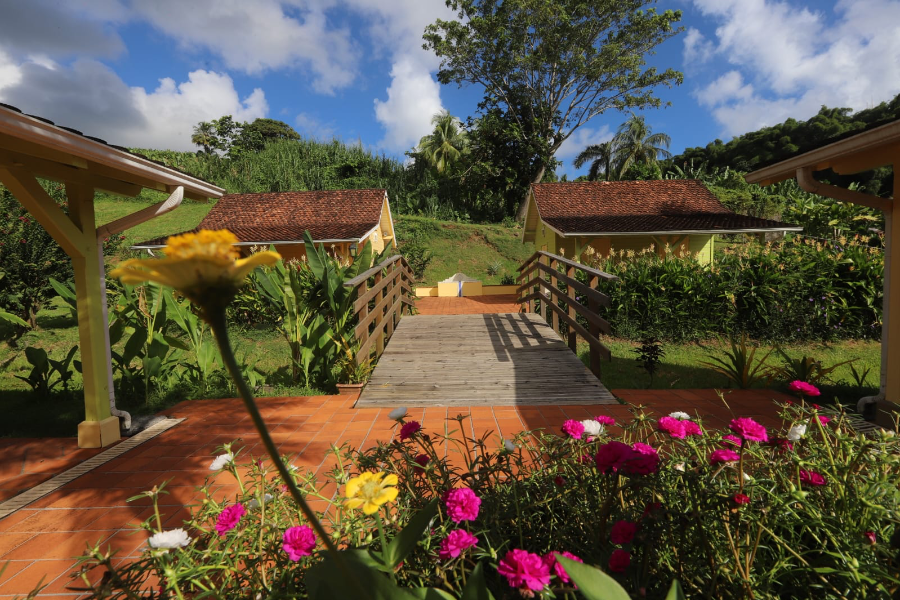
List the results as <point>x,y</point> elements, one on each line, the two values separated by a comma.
<point>203,266</point>
<point>370,490</point>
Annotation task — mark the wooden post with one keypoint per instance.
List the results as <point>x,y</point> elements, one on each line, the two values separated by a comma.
<point>392,291</point>
<point>554,283</point>
<point>544,308</point>
<point>594,329</point>
<point>890,337</point>
<point>379,316</point>
<point>362,335</point>
<point>573,338</point>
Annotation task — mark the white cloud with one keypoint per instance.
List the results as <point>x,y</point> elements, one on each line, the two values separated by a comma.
<point>581,139</point>
<point>413,99</point>
<point>795,60</point>
<point>90,97</point>
<point>697,49</point>
<point>310,126</point>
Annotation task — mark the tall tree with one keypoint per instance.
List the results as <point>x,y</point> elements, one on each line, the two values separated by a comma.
<point>446,144</point>
<point>636,143</point>
<point>205,136</point>
<point>602,157</point>
<point>570,60</point>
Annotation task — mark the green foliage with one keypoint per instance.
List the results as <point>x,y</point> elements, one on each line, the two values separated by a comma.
<point>47,373</point>
<point>446,145</point>
<point>859,376</point>
<point>631,154</point>
<point>804,368</point>
<point>740,365</point>
<point>650,354</point>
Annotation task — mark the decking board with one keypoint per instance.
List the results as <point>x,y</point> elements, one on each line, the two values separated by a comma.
<point>505,359</point>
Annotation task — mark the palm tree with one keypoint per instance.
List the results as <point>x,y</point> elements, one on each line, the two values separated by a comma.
<point>635,142</point>
<point>602,158</point>
<point>446,144</point>
<point>205,136</point>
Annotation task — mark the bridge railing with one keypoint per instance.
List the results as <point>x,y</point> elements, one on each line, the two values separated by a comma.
<point>552,280</point>
<point>382,294</point>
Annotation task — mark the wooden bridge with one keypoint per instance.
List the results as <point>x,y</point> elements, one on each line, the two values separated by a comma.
<point>524,358</point>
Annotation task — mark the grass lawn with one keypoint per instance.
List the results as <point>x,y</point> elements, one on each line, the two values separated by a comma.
<point>187,216</point>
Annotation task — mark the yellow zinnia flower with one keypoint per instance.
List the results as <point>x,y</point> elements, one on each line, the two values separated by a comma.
<point>370,490</point>
<point>203,266</point>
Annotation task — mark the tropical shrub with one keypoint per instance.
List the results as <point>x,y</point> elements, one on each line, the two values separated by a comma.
<point>810,510</point>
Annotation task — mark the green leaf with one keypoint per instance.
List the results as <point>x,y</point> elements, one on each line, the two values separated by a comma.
<point>176,343</point>
<point>431,594</point>
<point>358,580</point>
<point>405,541</point>
<point>593,583</point>
<point>476,587</point>
<point>675,592</point>
<point>37,357</point>
<point>11,318</point>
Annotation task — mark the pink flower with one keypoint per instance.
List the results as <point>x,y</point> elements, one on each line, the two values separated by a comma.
<point>692,428</point>
<point>409,429</point>
<point>605,420</point>
<point>623,532</point>
<point>644,460</point>
<point>674,427</point>
<point>789,402</point>
<point>804,389</point>
<point>741,499</point>
<point>816,406</point>
<point>573,429</point>
<point>298,542</point>
<point>462,504</point>
<point>524,570</point>
<point>229,517</point>
<point>612,456</point>
<point>721,456</point>
<point>784,445</point>
<point>812,478</point>
<point>870,536</point>
<point>557,569</point>
<point>456,542</point>
<point>732,439</point>
<point>749,429</point>
<point>559,480</point>
<point>420,460</point>
<point>619,561</point>
<point>824,420</point>
<point>651,508</point>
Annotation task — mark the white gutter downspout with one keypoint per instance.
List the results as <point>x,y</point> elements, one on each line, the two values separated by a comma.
<point>118,226</point>
<point>811,184</point>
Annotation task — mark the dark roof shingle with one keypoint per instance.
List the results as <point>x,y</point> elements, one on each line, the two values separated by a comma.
<point>284,216</point>
<point>639,206</point>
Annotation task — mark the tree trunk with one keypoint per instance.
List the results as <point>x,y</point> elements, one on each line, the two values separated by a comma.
<point>523,206</point>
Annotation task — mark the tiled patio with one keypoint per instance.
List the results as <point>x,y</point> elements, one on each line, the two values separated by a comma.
<point>40,541</point>
<point>472,305</point>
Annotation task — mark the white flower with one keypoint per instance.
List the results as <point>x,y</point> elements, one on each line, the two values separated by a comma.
<point>679,467</point>
<point>747,477</point>
<point>254,504</point>
<point>509,446</point>
<point>796,432</point>
<point>220,461</point>
<point>175,538</point>
<point>592,427</point>
<point>682,416</point>
<point>397,413</point>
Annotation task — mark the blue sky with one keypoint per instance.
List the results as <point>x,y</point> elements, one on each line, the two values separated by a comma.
<point>143,73</point>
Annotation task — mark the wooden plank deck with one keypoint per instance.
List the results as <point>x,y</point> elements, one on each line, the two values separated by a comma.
<point>503,359</point>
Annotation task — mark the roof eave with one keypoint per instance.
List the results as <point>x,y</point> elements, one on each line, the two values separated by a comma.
<point>679,231</point>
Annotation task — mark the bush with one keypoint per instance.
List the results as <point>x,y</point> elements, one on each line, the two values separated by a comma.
<point>797,290</point>
<point>809,511</point>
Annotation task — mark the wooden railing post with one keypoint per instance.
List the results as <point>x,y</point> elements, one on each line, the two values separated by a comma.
<point>541,289</point>
<point>362,333</point>
<point>392,274</point>
<point>554,283</point>
<point>573,337</point>
<point>379,316</point>
<point>594,328</point>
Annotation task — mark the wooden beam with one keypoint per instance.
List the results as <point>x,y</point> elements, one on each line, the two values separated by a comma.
<point>37,150</point>
<point>56,171</point>
<point>871,158</point>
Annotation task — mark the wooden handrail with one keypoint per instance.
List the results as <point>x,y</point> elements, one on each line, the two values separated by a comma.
<point>364,276</point>
<point>553,286</point>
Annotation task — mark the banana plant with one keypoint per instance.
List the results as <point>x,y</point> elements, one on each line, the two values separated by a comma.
<point>43,369</point>
<point>195,329</point>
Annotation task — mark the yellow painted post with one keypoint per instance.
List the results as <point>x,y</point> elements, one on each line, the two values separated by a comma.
<point>99,427</point>
<point>594,329</point>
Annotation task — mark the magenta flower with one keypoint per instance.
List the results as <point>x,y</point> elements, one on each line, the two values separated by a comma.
<point>812,478</point>
<point>605,420</point>
<point>421,460</point>
<point>644,460</point>
<point>732,439</point>
<point>749,429</point>
<point>559,480</point>
<point>741,499</point>
<point>622,532</point>
<point>724,455</point>
<point>674,427</point>
<point>409,429</point>
<point>229,518</point>
<point>870,536</point>
<point>692,428</point>
<point>824,420</point>
<point>524,570</point>
<point>462,504</point>
<point>612,456</point>
<point>298,542</point>
<point>557,569</point>
<point>456,542</point>
<point>573,429</point>
<point>804,389</point>
<point>619,561</point>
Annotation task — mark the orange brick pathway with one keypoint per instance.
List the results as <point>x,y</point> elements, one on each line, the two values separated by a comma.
<point>472,305</point>
<point>28,462</point>
<point>40,541</point>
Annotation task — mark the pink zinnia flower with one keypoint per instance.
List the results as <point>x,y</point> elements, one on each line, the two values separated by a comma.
<point>409,429</point>
<point>605,420</point>
<point>644,460</point>
<point>732,439</point>
<point>674,427</point>
<point>749,429</point>
<point>462,504</point>
<point>524,570</point>
<point>229,517</point>
<point>692,428</point>
<point>456,542</point>
<point>612,456</point>
<point>298,542</point>
<point>619,561</point>
<point>803,388</point>
<point>421,460</point>
<point>824,420</point>
<point>812,478</point>
<point>574,429</point>
<point>741,499</point>
<point>623,532</point>
<point>870,536</point>
<point>557,569</point>
<point>724,455</point>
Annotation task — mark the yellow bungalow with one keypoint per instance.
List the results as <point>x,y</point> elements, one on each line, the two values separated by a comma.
<point>340,220</point>
<point>870,149</point>
<point>568,217</point>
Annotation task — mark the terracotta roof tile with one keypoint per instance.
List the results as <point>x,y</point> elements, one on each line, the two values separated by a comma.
<point>638,206</point>
<point>284,216</point>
